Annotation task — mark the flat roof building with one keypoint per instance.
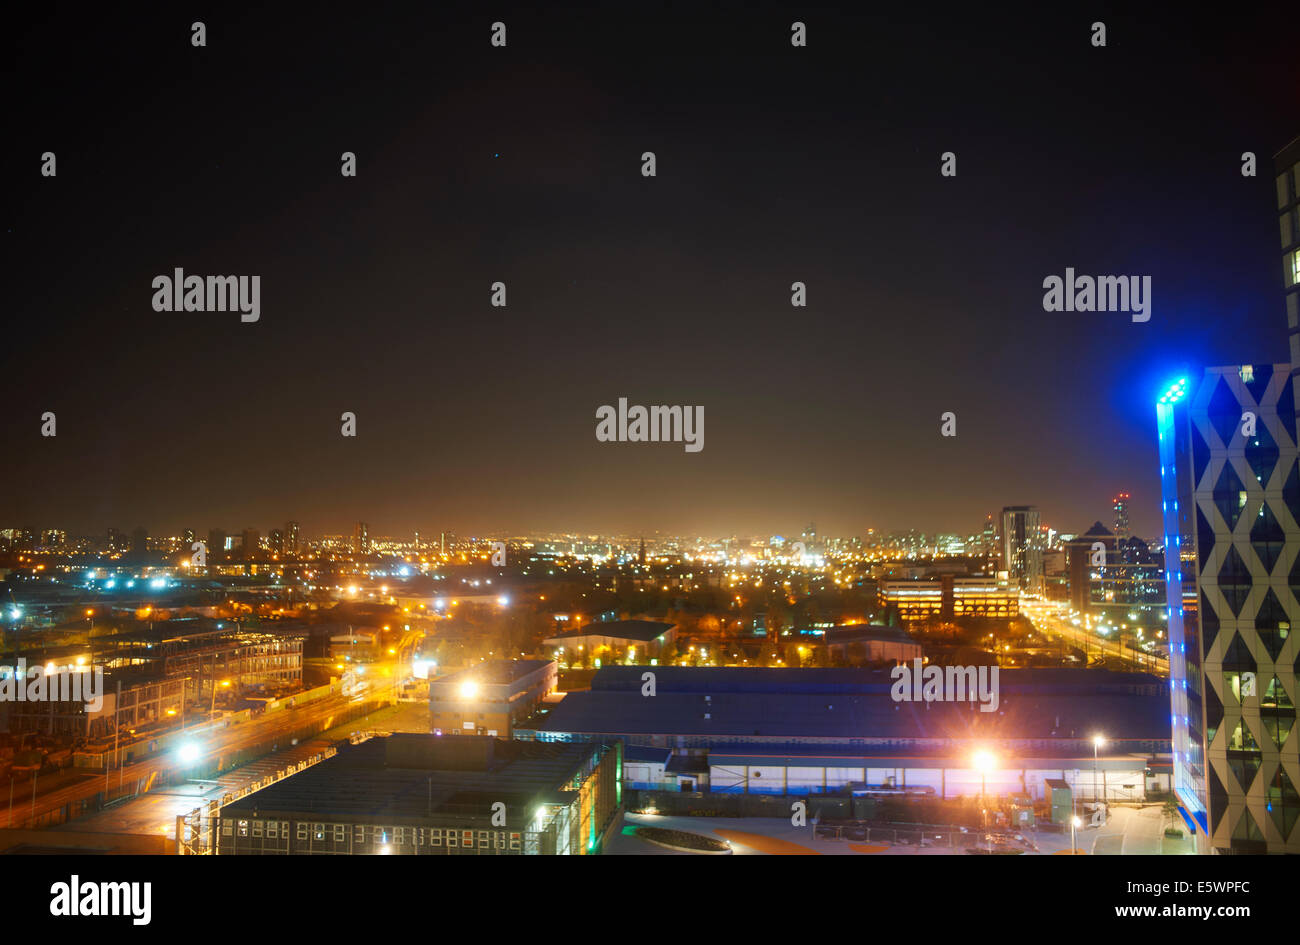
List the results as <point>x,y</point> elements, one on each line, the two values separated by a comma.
<point>646,637</point>
<point>487,699</point>
<point>814,730</point>
<point>424,794</point>
<point>868,643</point>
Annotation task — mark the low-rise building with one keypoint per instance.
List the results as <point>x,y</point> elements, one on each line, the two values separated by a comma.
<point>425,794</point>
<point>488,698</point>
<point>631,639</point>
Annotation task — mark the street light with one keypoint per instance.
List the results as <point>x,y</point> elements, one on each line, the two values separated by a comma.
<point>984,763</point>
<point>1097,742</point>
<point>213,710</point>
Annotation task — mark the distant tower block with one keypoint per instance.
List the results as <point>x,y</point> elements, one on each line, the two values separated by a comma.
<point>1120,503</point>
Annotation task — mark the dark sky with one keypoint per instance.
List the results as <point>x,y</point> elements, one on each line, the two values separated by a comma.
<point>522,165</point>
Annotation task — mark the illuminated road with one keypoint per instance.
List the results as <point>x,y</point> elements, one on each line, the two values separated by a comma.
<point>1051,620</point>
<point>156,811</point>
<point>216,738</point>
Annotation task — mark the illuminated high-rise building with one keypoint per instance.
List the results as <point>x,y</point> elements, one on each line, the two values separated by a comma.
<point>1287,177</point>
<point>1022,547</point>
<point>1120,504</point>
<point>291,538</point>
<point>361,539</point>
<point>1230,484</point>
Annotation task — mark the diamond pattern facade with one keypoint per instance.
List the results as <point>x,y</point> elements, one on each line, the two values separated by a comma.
<point>1231,485</point>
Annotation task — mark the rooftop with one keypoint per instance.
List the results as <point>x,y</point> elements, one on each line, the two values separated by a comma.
<point>496,672</point>
<point>640,631</point>
<point>415,777</point>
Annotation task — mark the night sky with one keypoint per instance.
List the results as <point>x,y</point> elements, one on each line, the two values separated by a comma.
<point>522,165</point>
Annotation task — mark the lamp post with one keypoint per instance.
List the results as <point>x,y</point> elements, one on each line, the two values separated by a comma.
<point>1097,742</point>
<point>1074,823</point>
<point>984,762</point>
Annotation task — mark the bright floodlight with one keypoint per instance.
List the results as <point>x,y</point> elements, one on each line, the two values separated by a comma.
<point>189,753</point>
<point>468,689</point>
<point>1077,822</point>
<point>984,761</point>
<point>1098,741</point>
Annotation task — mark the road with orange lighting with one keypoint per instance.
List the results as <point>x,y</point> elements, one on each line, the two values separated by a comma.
<point>210,739</point>
<point>1050,620</point>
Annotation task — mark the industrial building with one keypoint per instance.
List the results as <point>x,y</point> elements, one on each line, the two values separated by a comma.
<point>207,653</point>
<point>623,638</point>
<point>425,794</point>
<point>488,698</point>
<point>866,643</point>
<point>805,731</point>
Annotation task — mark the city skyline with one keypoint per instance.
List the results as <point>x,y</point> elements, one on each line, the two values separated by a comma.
<point>430,536</point>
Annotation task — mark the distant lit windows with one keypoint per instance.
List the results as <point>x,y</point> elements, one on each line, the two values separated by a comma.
<point>1289,226</point>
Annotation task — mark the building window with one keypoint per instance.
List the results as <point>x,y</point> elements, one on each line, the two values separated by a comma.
<point>302,832</point>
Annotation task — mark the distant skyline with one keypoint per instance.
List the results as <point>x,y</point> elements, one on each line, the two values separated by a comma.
<point>430,534</point>
<point>522,165</point>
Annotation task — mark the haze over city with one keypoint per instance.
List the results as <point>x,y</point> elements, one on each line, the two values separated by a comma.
<point>523,168</point>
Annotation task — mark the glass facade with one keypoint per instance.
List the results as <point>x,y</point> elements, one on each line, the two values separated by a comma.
<point>1230,485</point>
